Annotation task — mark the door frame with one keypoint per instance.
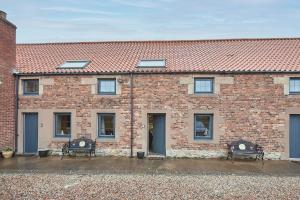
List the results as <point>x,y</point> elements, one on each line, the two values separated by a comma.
<point>24,129</point>
<point>285,130</point>
<point>289,136</point>
<point>165,132</point>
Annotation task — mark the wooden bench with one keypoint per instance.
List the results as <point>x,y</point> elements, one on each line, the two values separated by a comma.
<point>245,148</point>
<point>80,145</point>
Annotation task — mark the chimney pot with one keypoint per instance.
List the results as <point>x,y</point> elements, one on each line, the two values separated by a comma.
<point>2,15</point>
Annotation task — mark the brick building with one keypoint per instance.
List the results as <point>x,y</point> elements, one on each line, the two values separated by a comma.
<point>7,81</point>
<point>187,98</point>
<point>175,98</point>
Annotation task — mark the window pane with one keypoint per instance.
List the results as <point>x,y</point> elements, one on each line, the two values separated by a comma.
<point>295,85</point>
<point>63,124</point>
<point>106,125</point>
<point>107,86</point>
<point>152,63</point>
<point>203,125</point>
<point>203,85</point>
<point>74,64</point>
<point>31,86</point>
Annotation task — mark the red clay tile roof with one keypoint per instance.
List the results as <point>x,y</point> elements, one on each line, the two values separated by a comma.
<point>236,55</point>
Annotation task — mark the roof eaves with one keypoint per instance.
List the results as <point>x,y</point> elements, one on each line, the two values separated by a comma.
<point>159,72</point>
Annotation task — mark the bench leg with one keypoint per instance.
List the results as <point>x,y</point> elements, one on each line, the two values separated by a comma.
<point>63,154</point>
<point>229,155</point>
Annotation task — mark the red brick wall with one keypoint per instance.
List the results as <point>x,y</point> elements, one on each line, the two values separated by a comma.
<point>251,108</point>
<point>7,88</point>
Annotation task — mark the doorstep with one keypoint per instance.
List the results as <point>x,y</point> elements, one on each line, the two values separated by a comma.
<point>294,159</point>
<point>28,154</point>
<point>156,157</point>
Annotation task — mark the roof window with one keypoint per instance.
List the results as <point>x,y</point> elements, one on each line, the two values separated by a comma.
<point>152,63</point>
<point>74,64</point>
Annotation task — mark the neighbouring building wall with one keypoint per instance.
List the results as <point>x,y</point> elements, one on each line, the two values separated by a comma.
<point>7,83</point>
<point>254,107</point>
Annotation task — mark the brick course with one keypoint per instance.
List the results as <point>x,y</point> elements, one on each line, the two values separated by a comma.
<point>7,87</point>
<point>252,107</point>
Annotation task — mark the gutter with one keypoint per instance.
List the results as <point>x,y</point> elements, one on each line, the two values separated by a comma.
<point>150,72</point>
<point>131,115</point>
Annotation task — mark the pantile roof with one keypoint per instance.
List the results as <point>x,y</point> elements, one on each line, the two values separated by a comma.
<point>228,55</point>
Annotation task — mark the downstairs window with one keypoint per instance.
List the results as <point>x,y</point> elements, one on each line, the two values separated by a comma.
<point>203,126</point>
<point>62,124</point>
<point>106,125</point>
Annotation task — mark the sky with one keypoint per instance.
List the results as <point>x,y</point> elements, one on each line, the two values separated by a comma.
<point>107,20</point>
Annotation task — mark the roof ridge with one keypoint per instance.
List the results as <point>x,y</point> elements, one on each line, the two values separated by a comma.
<point>165,41</point>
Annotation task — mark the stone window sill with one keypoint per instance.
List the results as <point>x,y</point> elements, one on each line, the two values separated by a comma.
<point>106,95</point>
<point>204,95</point>
<point>61,139</point>
<point>30,95</point>
<point>293,95</point>
<point>204,141</point>
<point>104,139</point>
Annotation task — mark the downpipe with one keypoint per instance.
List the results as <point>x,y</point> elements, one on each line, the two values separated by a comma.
<point>16,111</point>
<point>131,115</point>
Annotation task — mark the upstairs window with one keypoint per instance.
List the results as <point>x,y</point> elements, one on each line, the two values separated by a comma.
<point>204,85</point>
<point>106,125</point>
<point>74,64</point>
<point>203,126</point>
<point>152,63</point>
<point>31,87</point>
<point>107,86</point>
<point>294,85</point>
<point>62,124</point>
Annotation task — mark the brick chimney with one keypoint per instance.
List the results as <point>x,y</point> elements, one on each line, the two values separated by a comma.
<point>7,81</point>
<point>2,14</point>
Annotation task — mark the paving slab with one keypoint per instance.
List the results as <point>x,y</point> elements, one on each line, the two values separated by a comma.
<point>96,165</point>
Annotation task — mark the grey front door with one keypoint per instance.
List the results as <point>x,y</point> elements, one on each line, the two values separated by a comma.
<point>159,134</point>
<point>294,136</point>
<point>30,133</point>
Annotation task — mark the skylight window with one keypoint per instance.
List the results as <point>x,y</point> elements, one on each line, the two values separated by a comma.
<point>152,63</point>
<point>74,64</point>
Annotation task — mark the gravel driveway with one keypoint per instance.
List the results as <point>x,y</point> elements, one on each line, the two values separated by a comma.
<point>139,186</point>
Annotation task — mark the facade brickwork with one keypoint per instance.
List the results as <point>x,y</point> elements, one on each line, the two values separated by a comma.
<point>7,82</point>
<point>245,106</point>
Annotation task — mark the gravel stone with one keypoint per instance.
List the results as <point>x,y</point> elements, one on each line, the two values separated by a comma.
<point>146,186</point>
